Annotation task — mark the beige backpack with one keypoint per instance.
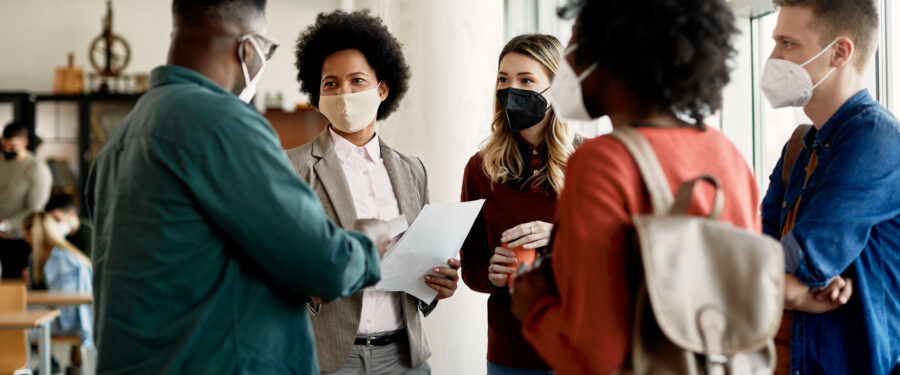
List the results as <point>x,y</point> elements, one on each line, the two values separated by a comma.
<point>711,297</point>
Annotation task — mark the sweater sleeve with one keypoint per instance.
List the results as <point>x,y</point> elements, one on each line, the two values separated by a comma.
<point>475,254</point>
<point>585,329</point>
<point>41,181</point>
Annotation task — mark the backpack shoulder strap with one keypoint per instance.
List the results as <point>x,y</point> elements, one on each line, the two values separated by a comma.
<point>794,146</point>
<point>647,163</point>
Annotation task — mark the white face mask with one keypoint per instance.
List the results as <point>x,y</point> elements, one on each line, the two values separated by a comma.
<point>787,84</point>
<point>249,90</point>
<point>351,112</point>
<point>64,227</point>
<point>565,91</point>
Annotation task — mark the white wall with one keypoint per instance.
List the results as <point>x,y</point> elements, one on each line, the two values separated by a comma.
<point>37,35</point>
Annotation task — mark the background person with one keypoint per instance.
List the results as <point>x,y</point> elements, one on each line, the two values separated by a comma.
<point>629,60</point>
<point>60,267</point>
<point>207,245</point>
<point>25,184</point>
<point>355,73</point>
<point>838,218</point>
<point>78,232</point>
<point>518,172</point>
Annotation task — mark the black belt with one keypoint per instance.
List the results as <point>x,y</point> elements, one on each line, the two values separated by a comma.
<point>399,336</point>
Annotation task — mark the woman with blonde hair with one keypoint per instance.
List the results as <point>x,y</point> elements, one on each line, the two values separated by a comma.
<point>519,172</point>
<point>59,266</point>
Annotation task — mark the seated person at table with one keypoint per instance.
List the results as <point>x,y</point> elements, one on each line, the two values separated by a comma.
<point>78,232</point>
<point>61,267</point>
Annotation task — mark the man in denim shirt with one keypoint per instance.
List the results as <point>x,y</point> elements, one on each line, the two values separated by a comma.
<point>838,216</point>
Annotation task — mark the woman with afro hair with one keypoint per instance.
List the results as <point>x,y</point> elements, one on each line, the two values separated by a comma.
<point>354,72</point>
<point>656,67</point>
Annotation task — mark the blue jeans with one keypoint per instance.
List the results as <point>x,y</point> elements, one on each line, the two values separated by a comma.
<point>493,369</point>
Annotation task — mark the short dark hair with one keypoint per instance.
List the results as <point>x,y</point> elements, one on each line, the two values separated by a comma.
<point>15,129</point>
<point>195,11</point>
<point>672,53</point>
<point>62,201</point>
<point>338,31</point>
<point>857,18</point>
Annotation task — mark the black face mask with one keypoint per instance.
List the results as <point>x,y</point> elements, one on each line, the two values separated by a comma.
<point>523,108</point>
<point>10,155</point>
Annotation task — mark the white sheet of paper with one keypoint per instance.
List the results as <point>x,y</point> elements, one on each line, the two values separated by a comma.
<point>398,225</point>
<point>436,236</point>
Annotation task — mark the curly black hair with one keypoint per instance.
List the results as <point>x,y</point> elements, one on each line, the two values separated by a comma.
<point>338,31</point>
<point>673,53</point>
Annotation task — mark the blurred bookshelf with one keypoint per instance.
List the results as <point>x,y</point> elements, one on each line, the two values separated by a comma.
<point>72,128</point>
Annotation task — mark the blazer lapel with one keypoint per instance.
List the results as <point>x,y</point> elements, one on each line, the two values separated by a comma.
<point>402,180</point>
<point>331,175</point>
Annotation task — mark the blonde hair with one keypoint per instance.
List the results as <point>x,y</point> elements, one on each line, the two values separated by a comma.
<point>44,238</point>
<point>501,159</point>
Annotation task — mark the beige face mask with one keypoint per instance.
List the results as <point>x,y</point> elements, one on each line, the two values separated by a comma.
<point>352,112</point>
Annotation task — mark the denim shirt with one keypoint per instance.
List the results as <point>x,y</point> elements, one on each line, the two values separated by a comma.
<point>848,223</point>
<point>64,273</point>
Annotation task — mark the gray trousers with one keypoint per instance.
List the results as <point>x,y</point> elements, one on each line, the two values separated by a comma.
<point>390,359</point>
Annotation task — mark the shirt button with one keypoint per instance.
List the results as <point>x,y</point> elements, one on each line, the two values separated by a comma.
<point>827,145</point>
<point>783,204</point>
<point>535,172</point>
<point>372,195</point>
<point>365,172</point>
<point>534,152</point>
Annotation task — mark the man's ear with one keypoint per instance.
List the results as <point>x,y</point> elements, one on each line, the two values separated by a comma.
<point>251,57</point>
<point>384,89</point>
<point>844,49</point>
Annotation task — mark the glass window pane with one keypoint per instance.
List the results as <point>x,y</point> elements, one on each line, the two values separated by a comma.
<point>893,45</point>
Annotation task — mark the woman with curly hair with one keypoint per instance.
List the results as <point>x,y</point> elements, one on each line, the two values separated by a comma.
<point>355,73</point>
<point>658,66</point>
<point>518,172</point>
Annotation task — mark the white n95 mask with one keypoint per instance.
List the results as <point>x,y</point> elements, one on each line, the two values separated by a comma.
<point>565,91</point>
<point>249,90</point>
<point>351,112</point>
<point>787,84</point>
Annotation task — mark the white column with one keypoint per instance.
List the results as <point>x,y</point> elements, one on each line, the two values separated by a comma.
<point>452,49</point>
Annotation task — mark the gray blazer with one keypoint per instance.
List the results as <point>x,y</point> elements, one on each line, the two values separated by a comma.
<point>335,325</point>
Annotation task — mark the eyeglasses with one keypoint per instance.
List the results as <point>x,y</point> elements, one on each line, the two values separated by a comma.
<point>268,46</point>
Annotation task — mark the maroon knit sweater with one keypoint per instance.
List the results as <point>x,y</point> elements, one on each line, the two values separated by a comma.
<point>504,207</point>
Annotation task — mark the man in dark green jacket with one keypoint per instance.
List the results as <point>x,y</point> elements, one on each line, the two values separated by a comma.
<point>207,246</point>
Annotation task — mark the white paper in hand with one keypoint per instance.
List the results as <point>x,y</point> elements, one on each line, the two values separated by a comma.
<point>436,236</point>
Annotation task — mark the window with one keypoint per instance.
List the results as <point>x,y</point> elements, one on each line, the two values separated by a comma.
<point>891,46</point>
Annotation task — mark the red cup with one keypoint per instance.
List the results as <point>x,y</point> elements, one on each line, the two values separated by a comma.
<point>523,256</point>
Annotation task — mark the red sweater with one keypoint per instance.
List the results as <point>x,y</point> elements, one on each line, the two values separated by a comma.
<point>504,208</point>
<point>586,330</point>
